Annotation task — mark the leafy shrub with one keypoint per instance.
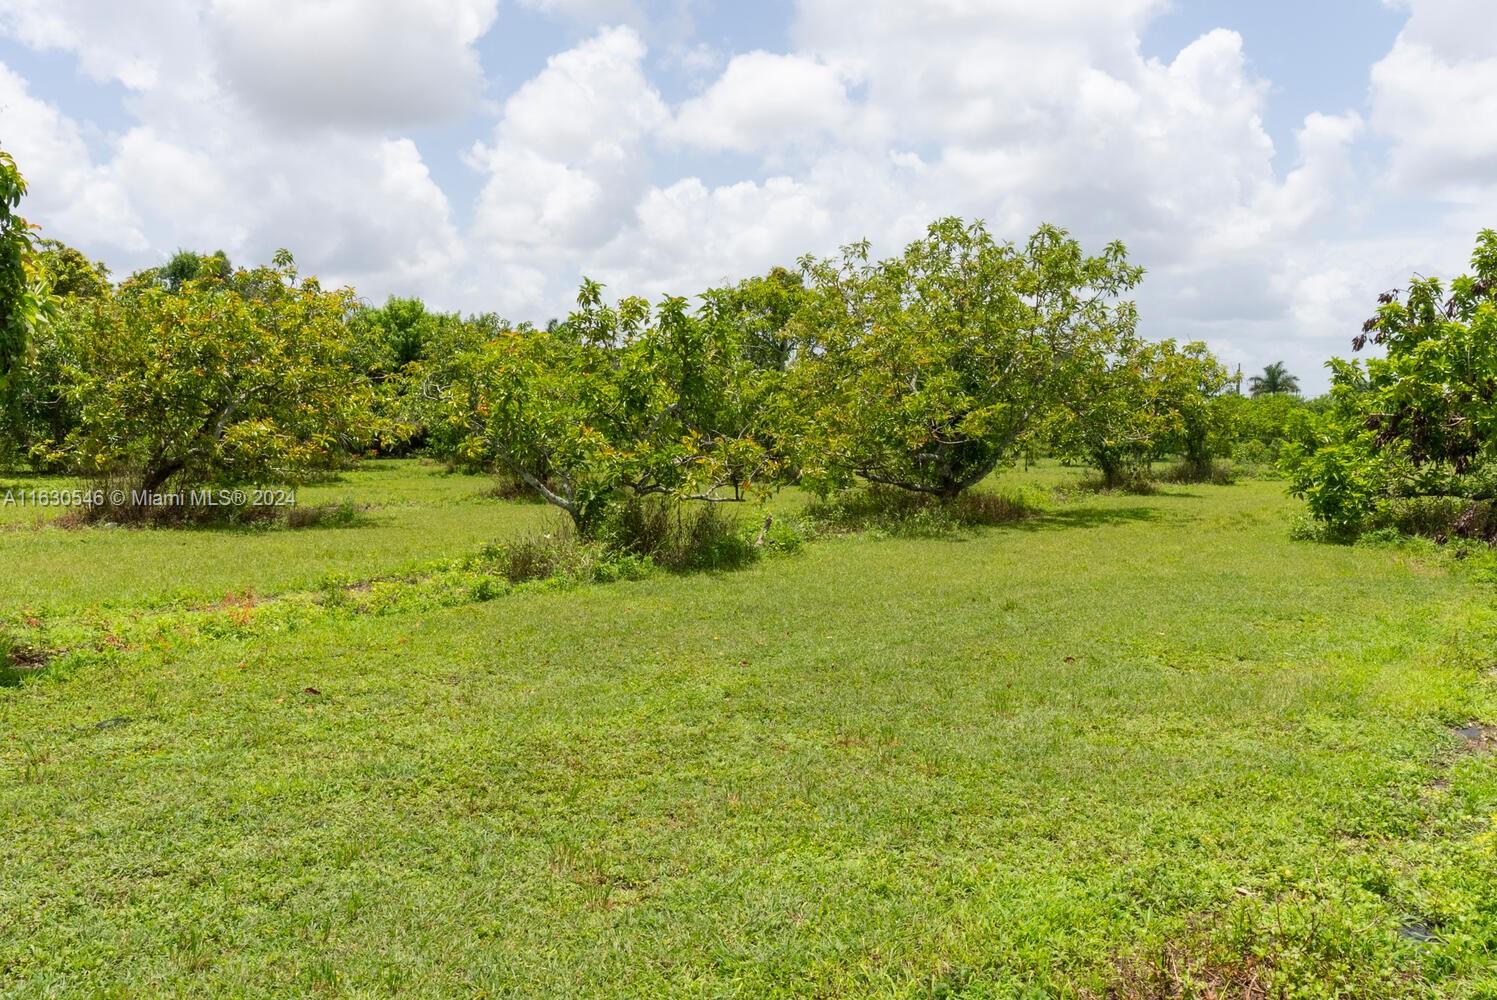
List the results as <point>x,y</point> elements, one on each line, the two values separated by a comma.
<point>1140,482</point>
<point>678,537</point>
<point>782,534</point>
<point>1420,422</point>
<point>509,487</point>
<point>900,512</point>
<point>1214,473</point>
<point>542,556</point>
<point>1439,517</point>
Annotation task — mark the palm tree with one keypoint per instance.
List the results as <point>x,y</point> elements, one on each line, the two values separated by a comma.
<point>1274,381</point>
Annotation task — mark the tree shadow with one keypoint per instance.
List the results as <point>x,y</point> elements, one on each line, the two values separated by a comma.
<point>1087,517</point>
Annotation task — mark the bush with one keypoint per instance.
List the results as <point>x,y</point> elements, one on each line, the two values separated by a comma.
<point>1441,518</point>
<point>1140,482</point>
<point>1214,473</point>
<point>1417,422</point>
<point>507,486</point>
<point>678,537</point>
<point>900,512</point>
<point>549,555</point>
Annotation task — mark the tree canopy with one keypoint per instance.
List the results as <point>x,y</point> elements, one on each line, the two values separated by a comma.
<point>618,402</point>
<point>208,385</point>
<point>1421,421</point>
<point>928,370</point>
<point>22,294</point>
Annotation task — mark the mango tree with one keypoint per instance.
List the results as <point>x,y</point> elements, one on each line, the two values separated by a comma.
<point>1133,403</point>
<point>929,370</point>
<point>618,403</point>
<point>217,383</point>
<point>23,295</point>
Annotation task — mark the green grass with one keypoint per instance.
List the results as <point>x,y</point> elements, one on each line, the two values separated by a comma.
<point>410,516</point>
<point>1060,757</point>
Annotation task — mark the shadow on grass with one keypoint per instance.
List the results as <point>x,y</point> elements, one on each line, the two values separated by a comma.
<point>17,662</point>
<point>1086,517</point>
<point>227,521</point>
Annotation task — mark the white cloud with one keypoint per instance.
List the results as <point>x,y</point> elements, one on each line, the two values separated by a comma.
<point>70,195</point>
<point>1435,97</point>
<point>141,46</point>
<point>590,11</point>
<point>566,167</point>
<point>763,101</point>
<point>200,170</point>
<point>352,62</point>
<point>688,237</point>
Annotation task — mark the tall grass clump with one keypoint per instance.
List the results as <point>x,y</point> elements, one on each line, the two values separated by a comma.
<point>885,510</point>
<point>1187,473</point>
<point>679,537</point>
<point>637,536</point>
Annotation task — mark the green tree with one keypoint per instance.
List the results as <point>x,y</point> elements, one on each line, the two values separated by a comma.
<point>183,268</point>
<point>22,294</point>
<point>1135,402</point>
<point>1274,381</point>
<point>760,311</point>
<point>1201,384</point>
<point>929,370</point>
<point>1421,421</point>
<point>207,385</point>
<point>397,334</point>
<point>70,274</point>
<point>43,415</point>
<point>1259,426</point>
<point>437,397</point>
<point>617,403</point>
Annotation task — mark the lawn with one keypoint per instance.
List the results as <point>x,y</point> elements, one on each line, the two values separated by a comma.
<point>1135,744</point>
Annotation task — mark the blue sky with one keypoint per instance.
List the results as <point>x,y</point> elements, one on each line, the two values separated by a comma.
<point>1274,165</point>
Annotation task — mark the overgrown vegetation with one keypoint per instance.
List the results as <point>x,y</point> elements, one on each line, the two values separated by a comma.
<point>1408,439</point>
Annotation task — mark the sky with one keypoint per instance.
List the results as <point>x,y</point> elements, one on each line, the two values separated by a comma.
<point>1273,164</point>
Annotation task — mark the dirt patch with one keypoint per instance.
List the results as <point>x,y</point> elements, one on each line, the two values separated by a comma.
<point>1416,931</point>
<point>17,662</point>
<point>1479,737</point>
<point>1191,968</point>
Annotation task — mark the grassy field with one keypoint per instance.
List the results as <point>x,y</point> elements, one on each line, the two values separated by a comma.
<point>1135,746</point>
<point>409,514</point>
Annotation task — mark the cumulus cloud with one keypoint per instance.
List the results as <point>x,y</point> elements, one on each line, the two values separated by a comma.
<point>209,166</point>
<point>352,62</point>
<point>763,101</point>
<point>115,41</point>
<point>69,193</point>
<point>566,167</point>
<point>1434,96</point>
